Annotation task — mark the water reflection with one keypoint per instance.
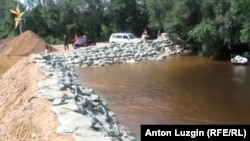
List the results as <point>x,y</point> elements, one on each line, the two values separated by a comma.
<point>240,73</point>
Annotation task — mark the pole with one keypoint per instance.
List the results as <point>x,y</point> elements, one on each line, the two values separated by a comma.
<point>20,27</point>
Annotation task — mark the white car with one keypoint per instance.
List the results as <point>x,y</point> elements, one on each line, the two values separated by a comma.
<point>123,38</point>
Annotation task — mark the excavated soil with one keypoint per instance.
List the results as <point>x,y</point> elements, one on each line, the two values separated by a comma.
<point>24,45</point>
<point>22,118</point>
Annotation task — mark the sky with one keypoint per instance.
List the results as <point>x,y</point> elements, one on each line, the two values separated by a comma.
<point>22,1</point>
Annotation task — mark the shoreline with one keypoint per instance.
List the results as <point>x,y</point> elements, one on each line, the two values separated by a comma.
<point>21,119</point>
<point>71,101</point>
<point>80,111</point>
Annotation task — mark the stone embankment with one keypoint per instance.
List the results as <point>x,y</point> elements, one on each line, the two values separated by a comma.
<point>82,112</point>
<point>122,53</point>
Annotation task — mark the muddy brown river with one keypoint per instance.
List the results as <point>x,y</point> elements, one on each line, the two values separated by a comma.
<point>180,90</point>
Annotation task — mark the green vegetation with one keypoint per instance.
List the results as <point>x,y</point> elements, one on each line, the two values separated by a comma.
<point>210,27</point>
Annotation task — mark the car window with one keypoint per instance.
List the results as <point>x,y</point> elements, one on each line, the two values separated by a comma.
<point>118,36</point>
<point>132,36</point>
<point>81,40</point>
<point>125,37</point>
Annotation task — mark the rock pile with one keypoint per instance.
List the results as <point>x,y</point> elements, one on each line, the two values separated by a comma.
<point>80,111</point>
<point>239,60</point>
<point>121,53</point>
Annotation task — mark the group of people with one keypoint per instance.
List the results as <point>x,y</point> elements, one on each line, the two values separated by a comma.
<point>66,41</point>
<point>83,39</point>
<point>145,34</point>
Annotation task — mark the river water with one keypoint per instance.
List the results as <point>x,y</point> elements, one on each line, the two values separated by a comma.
<point>179,90</point>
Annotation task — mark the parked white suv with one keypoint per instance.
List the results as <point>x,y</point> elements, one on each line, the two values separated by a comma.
<point>123,38</point>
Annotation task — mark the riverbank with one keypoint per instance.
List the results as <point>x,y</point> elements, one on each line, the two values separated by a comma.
<point>22,119</point>
<point>52,76</point>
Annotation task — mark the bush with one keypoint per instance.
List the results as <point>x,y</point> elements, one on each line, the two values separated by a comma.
<point>52,40</point>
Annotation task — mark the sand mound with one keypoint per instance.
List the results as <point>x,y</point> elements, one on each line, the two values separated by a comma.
<point>22,118</point>
<point>24,45</point>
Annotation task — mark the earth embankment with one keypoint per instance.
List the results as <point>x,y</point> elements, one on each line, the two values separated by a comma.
<point>24,45</point>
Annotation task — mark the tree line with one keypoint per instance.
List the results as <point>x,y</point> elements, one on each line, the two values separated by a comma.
<point>209,27</point>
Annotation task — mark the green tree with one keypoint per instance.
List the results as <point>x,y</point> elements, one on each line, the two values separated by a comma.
<point>128,15</point>
<point>210,27</point>
<point>7,23</point>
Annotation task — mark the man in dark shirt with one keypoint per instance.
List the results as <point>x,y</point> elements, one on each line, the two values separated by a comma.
<point>65,42</point>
